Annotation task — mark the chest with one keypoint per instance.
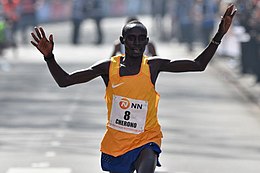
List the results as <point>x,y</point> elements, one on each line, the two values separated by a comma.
<point>129,70</point>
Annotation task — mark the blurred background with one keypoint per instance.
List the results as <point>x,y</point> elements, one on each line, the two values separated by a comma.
<point>183,21</point>
<point>210,120</point>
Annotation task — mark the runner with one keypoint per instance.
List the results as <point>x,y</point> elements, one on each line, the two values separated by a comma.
<point>133,137</point>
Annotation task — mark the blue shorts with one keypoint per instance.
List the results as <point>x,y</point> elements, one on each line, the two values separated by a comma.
<point>125,162</point>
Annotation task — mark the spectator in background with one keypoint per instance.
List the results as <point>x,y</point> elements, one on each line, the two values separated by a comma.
<point>243,16</point>
<point>27,11</point>
<point>83,9</point>
<point>11,15</point>
<point>254,23</point>
<point>98,16</point>
<point>78,16</point>
<point>2,34</point>
<point>57,9</point>
<point>209,11</point>
<point>133,7</point>
<point>158,12</point>
<point>185,17</point>
<point>249,18</point>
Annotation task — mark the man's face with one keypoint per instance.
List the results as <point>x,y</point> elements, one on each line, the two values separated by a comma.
<point>135,41</point>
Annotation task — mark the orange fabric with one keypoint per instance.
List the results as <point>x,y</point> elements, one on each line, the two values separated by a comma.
<point>10,9</point>
<point>139,87</point>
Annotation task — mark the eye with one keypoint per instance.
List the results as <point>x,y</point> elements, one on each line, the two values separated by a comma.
<point>131,38</point>
<point>142,38</point>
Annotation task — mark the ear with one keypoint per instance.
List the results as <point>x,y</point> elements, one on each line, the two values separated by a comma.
<point>122,40</point>
<point>147,40</point>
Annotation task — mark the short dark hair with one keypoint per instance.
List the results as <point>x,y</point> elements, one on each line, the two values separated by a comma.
<point>132,24</point>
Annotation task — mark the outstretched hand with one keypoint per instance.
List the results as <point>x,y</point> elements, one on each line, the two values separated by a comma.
<point>227,20</point>
<point>44,45</point>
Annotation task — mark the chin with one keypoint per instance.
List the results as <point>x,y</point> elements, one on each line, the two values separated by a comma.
<point>135,55</point>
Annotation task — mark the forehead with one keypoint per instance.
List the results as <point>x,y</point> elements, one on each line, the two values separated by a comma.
<point>135,29</point>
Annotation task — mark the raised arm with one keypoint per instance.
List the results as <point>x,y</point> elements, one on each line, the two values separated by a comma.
<point>200,63</point>
<point>62,78</point>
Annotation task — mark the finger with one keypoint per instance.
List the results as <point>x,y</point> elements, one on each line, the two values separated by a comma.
<point>38,33</point>
<point>234,12</point>
<point>35,38</point>
<point>51,39</point>
<point>229,10</point>
<point>33,43</point>
<point>42,32</point>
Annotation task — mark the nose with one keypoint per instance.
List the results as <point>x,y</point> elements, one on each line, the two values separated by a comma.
<point>136,41</point>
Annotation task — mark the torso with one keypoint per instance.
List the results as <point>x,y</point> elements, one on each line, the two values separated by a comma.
<point>130,86</point>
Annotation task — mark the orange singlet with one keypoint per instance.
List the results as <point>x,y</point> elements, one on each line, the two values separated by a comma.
<point>132,104</point>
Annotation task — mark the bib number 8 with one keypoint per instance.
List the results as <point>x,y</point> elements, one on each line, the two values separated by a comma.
<point>127,115</point>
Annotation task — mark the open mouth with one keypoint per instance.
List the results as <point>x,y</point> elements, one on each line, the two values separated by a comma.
<point>136,50</point>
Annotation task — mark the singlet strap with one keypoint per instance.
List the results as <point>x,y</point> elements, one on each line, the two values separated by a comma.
<point>114,65</point>
<point>145,66</point>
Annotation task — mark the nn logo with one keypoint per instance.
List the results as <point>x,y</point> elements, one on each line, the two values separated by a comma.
<point>125,104</point>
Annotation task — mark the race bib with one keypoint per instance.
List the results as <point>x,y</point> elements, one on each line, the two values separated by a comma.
<point>128,115</point>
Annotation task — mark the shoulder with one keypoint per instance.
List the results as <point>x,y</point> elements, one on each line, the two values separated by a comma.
<point>157,60</point>
<point>156,63</point>
<point>102,65</point>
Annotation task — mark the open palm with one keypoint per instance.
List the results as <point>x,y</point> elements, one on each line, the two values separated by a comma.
<point>226,20</point>
<point>44,45</point>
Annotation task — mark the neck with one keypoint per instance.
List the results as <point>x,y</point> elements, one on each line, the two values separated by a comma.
<point>132,61</point>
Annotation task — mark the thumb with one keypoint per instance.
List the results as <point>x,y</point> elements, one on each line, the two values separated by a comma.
<point>51,39</point>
